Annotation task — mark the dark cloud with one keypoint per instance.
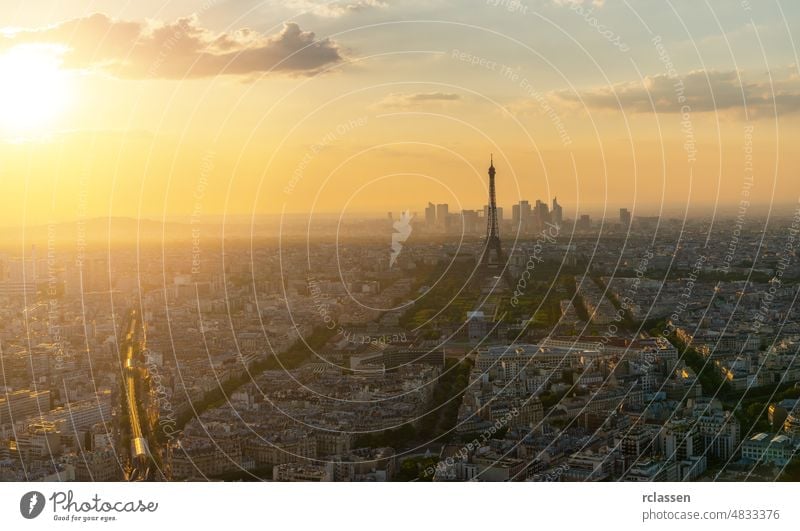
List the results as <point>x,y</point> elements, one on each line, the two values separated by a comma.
<point>702,91</point>
<point>180,49</point>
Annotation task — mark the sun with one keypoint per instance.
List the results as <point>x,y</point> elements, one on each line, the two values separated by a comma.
<point>34,90</point>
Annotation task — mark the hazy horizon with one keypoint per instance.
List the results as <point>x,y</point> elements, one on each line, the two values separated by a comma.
<point>611,214</point>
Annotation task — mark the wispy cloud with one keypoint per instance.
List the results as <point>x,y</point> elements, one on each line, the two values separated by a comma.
<point>407,100</point>
<point>334,9</point>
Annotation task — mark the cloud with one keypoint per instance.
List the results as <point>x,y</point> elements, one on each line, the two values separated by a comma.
<point>432,96</point>
<point>180,49</point>
<point>333,9</point>
<point>701,91</point>
<point>397,100</point>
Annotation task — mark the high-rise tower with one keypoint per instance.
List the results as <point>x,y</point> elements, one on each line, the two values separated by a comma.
<point>558,213</point>
<point>492,227</point>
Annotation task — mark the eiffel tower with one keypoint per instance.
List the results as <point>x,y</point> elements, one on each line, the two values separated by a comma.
<point>492,228</point>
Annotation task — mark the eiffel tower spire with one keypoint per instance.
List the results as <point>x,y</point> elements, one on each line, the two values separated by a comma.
<point>492,227</point>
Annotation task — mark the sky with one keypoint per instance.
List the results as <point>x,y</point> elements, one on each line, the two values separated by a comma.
<point>199,109</point>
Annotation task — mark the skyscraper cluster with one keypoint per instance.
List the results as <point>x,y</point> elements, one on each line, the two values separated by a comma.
<point>526,218</point>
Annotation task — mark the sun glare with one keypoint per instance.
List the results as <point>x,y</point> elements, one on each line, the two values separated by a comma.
<point>34,90</point>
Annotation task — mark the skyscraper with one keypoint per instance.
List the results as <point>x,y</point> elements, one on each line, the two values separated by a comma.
<point>525,216</point>
<point>558,213</point>
<point>516,219</point>
<point>430,216</point>
<point>541,214</point>
<point>442,215</point>
<point>625,217</point>
<point>521,217</point>
<point>470,221</point>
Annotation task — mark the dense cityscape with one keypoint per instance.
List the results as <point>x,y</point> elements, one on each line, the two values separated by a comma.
<point>257,256</point>
<point>625,349</point>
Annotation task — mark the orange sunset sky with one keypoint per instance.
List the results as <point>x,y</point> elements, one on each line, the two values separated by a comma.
<point>152,108</point>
